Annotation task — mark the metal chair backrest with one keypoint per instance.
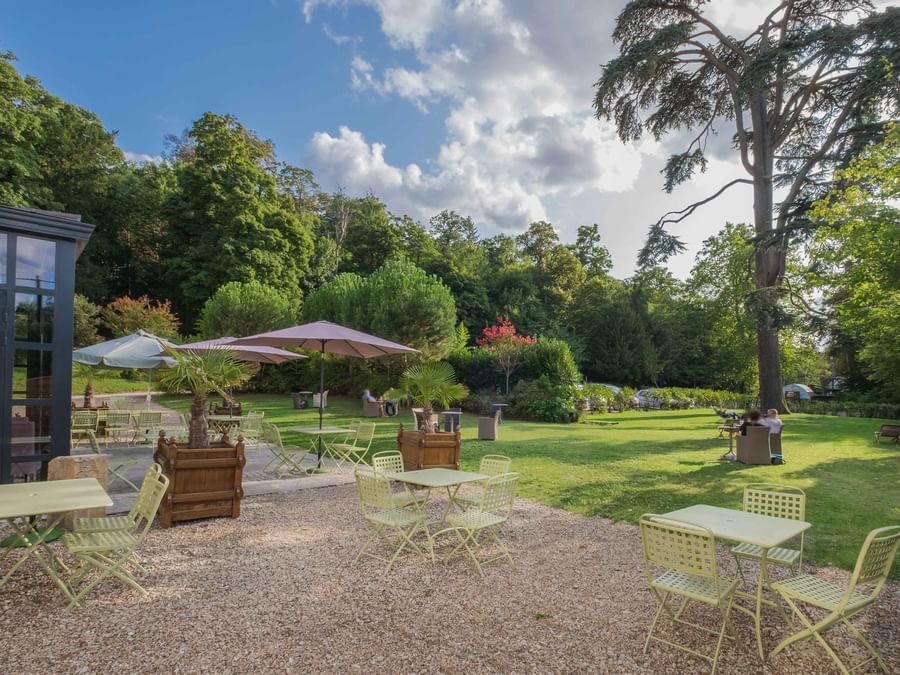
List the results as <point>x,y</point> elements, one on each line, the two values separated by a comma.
<point>773,499</point>
<point>388,461</point>
<point>272,435</point>
<point>149,418</point>
<point>365,432</point>
<point>252,421</point>
<point>118,419</point>
<point>83,420</point>
<point>499,494</point>
<point>678,546</point>
<point>147,486</point>
<point>874,562</point>
<point>150,496</point>
<point>374,491</point>
<point>494,465</point>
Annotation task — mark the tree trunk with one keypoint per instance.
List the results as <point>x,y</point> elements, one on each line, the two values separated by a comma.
<point>769,261</point>
<point>88,394</point>
<point>198,434</point>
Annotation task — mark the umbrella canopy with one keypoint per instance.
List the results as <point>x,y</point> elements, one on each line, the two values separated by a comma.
<point>336,339</point>
<point>332,338</point>
<point>139,350</point>
<point>258,354</point>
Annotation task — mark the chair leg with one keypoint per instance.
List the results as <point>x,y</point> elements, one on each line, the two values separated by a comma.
<point>868,645</point>
<point>812,631</point>
<point>107,567</point>
<point>659,611</point>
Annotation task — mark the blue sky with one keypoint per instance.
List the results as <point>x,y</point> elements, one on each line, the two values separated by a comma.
<point>481,106</point>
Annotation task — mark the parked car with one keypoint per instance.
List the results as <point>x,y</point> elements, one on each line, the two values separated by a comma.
<point>645,398</point>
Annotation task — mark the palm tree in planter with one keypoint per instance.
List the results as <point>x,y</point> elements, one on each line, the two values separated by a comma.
<point>201,374</point>
<point>429,384</point>
<point>87,373</point>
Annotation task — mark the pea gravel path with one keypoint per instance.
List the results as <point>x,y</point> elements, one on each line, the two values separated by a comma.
<point>276,591</point>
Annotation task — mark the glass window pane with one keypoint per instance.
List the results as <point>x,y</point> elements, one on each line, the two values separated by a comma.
<point>26,471</point>
<point>32,374</point>
<point>2,257</point>
<point>34,318</point>
<point>30,430</point>
<point>35,262</point>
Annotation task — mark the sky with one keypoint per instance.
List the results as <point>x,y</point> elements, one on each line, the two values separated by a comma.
<point>479,106</point>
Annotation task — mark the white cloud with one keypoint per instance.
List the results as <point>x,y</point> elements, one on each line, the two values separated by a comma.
<point>141,158</point>
<point>521,141</point>
<point>339,39</point>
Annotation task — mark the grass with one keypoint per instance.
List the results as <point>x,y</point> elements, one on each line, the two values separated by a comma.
<point>665,460</point>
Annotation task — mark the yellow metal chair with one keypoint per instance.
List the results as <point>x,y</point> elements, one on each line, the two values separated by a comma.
<point>391,461</point>
<point>779,501</point>
<point>116,465</point>
<point>488,518</point>
<point>113,553</point>
<point>680,560</point>
<point>147,424</point>
<point>83,421</point>
<point>353,451</point>
<point>381,513</point>
<point>871,572</point>
<point>130,521</point>
<point>491,465</point>
<point>118,422</point>
<point>286,458</point>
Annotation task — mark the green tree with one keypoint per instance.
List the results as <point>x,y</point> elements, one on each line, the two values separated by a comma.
<point>857,260</point>
<point>227,220</point>
<point>339,301</point>
<point>372,237</point>
<point>239,309</point>
<point>593,256</point>
<point>125,315</point>
<point>86,322</point>
<point>803,91</point>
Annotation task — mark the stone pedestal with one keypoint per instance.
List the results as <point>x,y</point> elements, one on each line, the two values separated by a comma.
<point>80,466</point>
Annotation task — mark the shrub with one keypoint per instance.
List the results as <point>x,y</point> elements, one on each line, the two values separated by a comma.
<point>239,309</point>
<point>889,411</point>
<point>125,315</point>
<point>544,400</point>
<point>552,358</point>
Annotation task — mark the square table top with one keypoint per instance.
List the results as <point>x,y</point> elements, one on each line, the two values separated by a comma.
<point>52,496</point>
<point>436,478</point>
<point>315,431</point>
<point>740,526</point>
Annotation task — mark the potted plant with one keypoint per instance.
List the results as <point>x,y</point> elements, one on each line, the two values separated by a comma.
<point>87,373</point>
<point>204,478</point>
<point>202,374</point>
<point>429,384</point>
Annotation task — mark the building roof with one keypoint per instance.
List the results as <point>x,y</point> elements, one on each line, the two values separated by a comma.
<point>53,224</point>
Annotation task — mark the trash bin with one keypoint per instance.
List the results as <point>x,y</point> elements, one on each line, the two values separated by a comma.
<point>299,400</point>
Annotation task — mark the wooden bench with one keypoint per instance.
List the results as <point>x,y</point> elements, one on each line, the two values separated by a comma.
<point>888,431</point>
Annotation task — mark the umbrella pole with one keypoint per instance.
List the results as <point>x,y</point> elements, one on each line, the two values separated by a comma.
<point>149,386</point>
<point>321,401</point>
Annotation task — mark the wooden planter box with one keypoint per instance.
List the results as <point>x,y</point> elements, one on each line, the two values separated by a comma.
<point>204,482</point>
<point>426,451</point>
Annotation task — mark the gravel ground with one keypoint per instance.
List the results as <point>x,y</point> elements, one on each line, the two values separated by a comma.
<point>277,591</point>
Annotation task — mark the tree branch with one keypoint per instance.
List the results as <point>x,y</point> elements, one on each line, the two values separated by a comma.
<point>688,210</point>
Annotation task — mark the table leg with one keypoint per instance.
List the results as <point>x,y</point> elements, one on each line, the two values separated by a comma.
<point>35,548</point>
<point>761,583</point>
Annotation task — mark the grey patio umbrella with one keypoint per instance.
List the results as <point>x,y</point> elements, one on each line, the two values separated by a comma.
<point>332,338</point>
<point>257,354</point>
<point>139,351</point>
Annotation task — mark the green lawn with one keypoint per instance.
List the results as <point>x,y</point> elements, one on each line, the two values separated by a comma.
<point>660,461</point>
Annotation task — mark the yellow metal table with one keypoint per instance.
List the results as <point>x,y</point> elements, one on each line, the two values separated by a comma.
<point>745,528</point>
<point>435,479</point>
<point>319,445</point>
<point>24,505</point>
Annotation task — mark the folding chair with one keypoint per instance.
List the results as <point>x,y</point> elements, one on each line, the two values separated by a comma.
<point>491,465</point>
<point>872,568</point>
<point>487,518</point>
<point>354,450</point>
<point>391,461</point>
<point>116,465</point>
<point>251,426</point>
<point>378,508</point>
<point>286,458</point>
<point>113,553</point>
<point>82,422</point>
<point>780,501</point>
<point>147,425</point>
<point>130,521</point>
<point>687,555</point>
<point>118,422</point>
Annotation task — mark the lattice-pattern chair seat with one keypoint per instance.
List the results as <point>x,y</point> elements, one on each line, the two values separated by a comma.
<point>704,589</point>
<point>821,593</point>
<point>88,542</point>
<point>103,524</point>
<point>786,557</point>
<point>395,517</point>
<point>475,519</point>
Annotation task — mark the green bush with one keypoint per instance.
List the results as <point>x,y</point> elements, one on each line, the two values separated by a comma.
<point>850,408</point>
<point>544,400</point>
<point>239,309</point>
<point>551,358</point>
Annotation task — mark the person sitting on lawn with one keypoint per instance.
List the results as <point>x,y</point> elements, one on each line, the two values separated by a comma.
<point>751,419</point>
<point>773,421</point>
